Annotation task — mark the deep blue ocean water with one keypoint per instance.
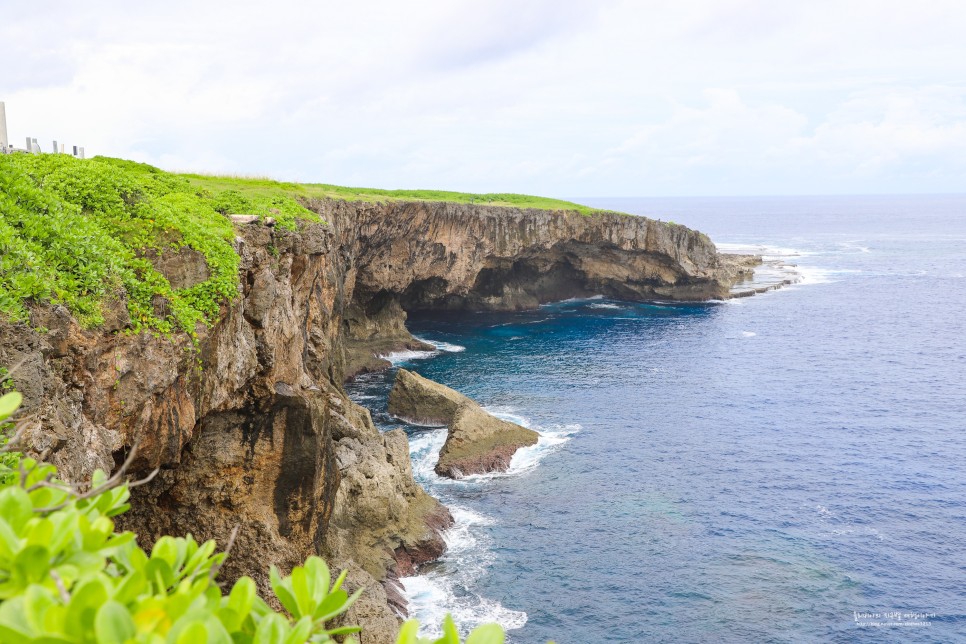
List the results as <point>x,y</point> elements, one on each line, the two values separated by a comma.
<point>760,470</point>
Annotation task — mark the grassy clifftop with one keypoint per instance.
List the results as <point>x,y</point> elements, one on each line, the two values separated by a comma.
<point>81,233</point>
<point>263,187</point>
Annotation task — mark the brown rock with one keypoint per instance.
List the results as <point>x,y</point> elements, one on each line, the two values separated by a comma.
<point>477,442</point>
<point>422,401</point>
<point>182,268</point>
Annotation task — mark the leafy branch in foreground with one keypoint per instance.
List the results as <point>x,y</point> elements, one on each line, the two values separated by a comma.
<point>66,576</point>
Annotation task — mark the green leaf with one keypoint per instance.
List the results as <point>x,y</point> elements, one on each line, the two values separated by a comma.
<point>37,601</point>
<point>319,575</point>
<point>300,588</point>
<point>14,624</point>
<point>132,585</point>
<point>32,564</point>
<point>242,596</point>
<point>282,591</point>
<point>9,404</point>
<point>113,623</point>
<point>486,634</point>
<point>166,549</point>
<point>85,600</point>
<point>338,582</point>
<point>331,606</point>
<point>301,631</point>
<point>195,633</point>
<point>15,507</point>
<point>271,630</point>
<point>229,618</point>
<point>159,572</point>
<point>450,633</point>
<point>9,543</point>
<point>409,633</point>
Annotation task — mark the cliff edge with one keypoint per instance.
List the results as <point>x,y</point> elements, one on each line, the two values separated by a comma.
<point>250,424</point>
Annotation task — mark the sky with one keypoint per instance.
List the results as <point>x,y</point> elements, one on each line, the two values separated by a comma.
<point>552,97</point>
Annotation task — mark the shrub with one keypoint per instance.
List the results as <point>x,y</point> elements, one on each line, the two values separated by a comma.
<point>75,232</point>
<point>66,576</point>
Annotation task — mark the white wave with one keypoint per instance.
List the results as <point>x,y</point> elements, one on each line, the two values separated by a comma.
<point>527,458</point>
<point>509,414</point>
<point>406,355</point>
<point>448,586</point>
<point>765,250</point>
<point>809,275</point>
<point>445,589</point>
<point>571,300</point>
<point>430,597</point>
<point>854,246</point>
<point>424,452</point>
<point>460,538</point>
<point>447,346</point>
<point>748,334</point>
<point>604,306</point>
<point>812,275</point>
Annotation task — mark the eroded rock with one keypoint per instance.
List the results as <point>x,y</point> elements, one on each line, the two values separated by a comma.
<point>183,268</point>
<point>477,442</point>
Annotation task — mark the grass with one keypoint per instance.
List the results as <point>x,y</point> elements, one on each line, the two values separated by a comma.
<point>255,188</point>
<point>76,232</point>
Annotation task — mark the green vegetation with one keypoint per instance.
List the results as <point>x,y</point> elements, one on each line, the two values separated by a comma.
<point>76,232</point>
<point>67,577</point>
<point>82,233</point>
<point>9,460</point>
<point>261,188</point>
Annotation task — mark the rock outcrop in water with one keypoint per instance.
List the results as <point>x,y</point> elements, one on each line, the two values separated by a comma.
<point>477,442</point>
<point>252,428</point>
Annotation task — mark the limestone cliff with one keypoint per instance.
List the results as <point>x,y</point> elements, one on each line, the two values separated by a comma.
<point>432,256</point>
<point>251,427</point>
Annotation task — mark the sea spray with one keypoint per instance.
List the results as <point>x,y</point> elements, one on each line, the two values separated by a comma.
<point>403,356</point>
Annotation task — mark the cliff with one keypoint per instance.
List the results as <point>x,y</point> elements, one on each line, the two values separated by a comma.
<point>435,255</point>
<point>251,426</point>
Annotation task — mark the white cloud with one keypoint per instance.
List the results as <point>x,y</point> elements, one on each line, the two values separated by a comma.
<point>567,98</point>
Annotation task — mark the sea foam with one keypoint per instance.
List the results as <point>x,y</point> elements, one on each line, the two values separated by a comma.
<point>407,355</point>
<point>444,589</point>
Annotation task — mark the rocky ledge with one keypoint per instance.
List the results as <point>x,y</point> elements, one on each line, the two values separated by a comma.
<point>445,256</point>
<point>251,426</point>
<point>476,443</point>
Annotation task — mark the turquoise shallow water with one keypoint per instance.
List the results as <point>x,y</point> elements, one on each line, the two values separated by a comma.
<point>760,470</point>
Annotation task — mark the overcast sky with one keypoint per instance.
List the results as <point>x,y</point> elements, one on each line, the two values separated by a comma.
<point>555,97</point>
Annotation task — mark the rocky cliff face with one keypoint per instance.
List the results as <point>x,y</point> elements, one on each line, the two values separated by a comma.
<point>252,428</point>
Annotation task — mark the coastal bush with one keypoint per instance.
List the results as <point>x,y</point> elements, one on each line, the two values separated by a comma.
<point>67,577</point>
<point>77,232</point>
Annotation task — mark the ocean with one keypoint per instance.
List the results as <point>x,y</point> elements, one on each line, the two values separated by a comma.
<point>789,467</point>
